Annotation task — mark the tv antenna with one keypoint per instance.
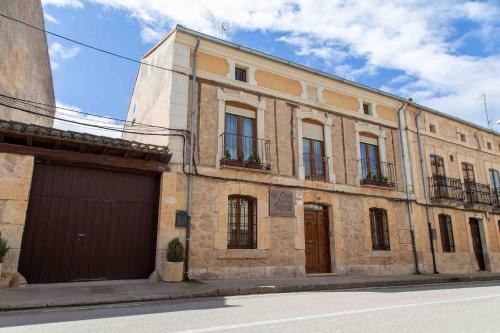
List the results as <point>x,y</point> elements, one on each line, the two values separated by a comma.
<point>224,30</point>
<point>482,96</point>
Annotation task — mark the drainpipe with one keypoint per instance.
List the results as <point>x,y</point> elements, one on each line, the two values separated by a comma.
<point>426,191</point>
<point>191,156</point>
<point>401,110</point>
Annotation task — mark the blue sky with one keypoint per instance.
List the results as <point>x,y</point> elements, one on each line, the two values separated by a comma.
<point>442,54</point>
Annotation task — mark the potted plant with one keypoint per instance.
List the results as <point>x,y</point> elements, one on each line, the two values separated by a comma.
<point>3,251</point>
<point>174,267</point>
<point>227,154</point>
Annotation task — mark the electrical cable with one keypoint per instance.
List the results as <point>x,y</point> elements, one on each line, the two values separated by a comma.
<point>91,47</point>
<point>125,122</point>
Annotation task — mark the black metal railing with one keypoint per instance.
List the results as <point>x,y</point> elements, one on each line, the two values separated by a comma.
<point>495,197</point>
<point>476,193</point>
<point>445,188</point>
<point>377,173</point>
<point>315,167</point>
<point>245,151</point>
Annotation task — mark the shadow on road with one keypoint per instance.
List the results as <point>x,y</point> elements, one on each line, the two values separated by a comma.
<point>56,315</point>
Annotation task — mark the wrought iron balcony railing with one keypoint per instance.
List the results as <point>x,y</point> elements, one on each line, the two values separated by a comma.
<point>245,151</point>
<point>495,197</point>
<point>315,167</point>
<point>445,188</point>
<point>377,173</point>
<point>476,193</point>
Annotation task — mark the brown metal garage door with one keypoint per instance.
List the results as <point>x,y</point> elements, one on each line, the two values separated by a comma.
<point>89,224</point>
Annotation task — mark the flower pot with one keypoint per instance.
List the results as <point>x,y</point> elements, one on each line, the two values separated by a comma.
<point>173,271</point>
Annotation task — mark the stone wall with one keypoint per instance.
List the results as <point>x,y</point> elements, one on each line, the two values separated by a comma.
<point>25,68</point>
<point>15,181</point>
<point>280,240</point>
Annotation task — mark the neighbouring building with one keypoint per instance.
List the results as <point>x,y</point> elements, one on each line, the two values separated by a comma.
<point>79,207</point>
<point>300,172</point>
<point>25,71</point>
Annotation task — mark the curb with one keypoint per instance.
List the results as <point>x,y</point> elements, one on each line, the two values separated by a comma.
<point>259,290</point>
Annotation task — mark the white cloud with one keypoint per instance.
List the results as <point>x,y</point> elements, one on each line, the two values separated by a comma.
<point>59,53</point>
<point>64,3</point>
<point>50,18</point>
<point>150,35</point>
<point>89,122</point>
<point>417,38</point>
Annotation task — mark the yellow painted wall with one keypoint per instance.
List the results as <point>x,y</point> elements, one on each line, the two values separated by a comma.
<point>340,100</point>
<point>277,82</point>
<point>212,64</point>
<point>386,113</point>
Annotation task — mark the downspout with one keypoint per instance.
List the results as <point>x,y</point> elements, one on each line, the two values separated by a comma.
<point>191,156</point>
<point>407,189</point>
<point>426,190</point>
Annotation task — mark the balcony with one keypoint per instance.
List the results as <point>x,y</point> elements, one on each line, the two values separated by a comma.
<point>377,173</point>
<point>245,151</point>
<point>495,193</point>
<point>315,167</point>
<point>445,188</point>
<point>477,194</point>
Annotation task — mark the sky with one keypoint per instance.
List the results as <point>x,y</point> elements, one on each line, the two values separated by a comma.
<point>444,54</point>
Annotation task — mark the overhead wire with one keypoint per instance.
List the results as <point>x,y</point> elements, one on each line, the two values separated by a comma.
<point>95,48</point>
<point>58,108</point>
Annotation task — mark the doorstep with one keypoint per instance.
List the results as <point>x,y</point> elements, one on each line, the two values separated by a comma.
<point>322,274</point>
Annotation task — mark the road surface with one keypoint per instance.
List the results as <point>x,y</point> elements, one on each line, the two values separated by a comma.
<point>473,307</point>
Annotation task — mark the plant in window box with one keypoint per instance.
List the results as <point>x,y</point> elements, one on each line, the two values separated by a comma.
<point>383,179</point>
<point>227,154</point>
<point>3,251</point>
<point>174,267</point>
<point>254,161</point>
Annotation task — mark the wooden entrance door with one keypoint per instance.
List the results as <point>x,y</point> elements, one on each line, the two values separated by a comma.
<point>317,237</point>
<point>89,224</point>
<point>476,243</point>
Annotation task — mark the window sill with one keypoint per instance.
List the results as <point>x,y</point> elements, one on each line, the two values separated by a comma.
<point>389,186</point>
<point>240,254</point>
<point>382,253</point>
<point>243,168</point>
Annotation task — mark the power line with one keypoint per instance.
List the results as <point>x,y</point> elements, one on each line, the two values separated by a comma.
<point>125,122</point>
<point>90,46</point>
<point>83,124</point>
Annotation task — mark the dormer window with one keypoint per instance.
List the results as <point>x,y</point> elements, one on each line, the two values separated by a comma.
<point>240,74</point>
<point>367,109</point>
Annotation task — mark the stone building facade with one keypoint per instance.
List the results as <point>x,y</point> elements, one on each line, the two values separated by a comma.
<point>25,70</point>
<point>267,128</point>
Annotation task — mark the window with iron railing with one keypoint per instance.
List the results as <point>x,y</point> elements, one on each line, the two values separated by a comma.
<point>374,171</point>
<point>240,146</point>
<point>476,193</point>
<point>242,222</point>
<point>379,229</point>
<point>445,188</point>
<point>314,159</point>
<point>446,230</point>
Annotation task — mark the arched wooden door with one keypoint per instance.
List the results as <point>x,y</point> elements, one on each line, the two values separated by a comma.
<point>317,238</point>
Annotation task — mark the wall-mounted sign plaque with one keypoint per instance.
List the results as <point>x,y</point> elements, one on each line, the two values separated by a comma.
<point>281,203</point>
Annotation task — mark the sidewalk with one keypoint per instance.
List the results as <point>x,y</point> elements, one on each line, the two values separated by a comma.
<point>112,292</point>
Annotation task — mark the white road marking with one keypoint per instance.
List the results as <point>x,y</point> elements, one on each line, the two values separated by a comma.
<point>331,314</point>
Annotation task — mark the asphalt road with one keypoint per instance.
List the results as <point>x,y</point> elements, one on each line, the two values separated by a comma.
<point>473,307</point>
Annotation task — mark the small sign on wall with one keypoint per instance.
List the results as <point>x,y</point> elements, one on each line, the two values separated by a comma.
<point>181,219</point>
<point>281,203</point>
